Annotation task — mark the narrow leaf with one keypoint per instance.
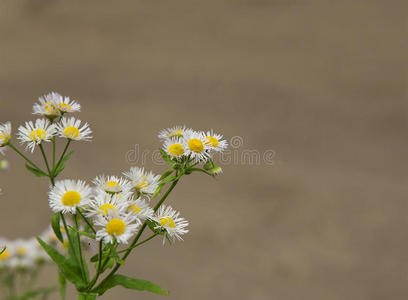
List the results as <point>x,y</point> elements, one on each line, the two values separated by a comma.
<point>55,223</point>
<point>130,283</point>
<point>36,171</point>
<point>62,285</point>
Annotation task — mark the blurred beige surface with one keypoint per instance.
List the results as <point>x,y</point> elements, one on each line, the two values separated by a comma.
<point>321,83</point>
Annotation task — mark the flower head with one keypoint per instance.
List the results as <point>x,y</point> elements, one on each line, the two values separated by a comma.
<point>215,141</point>
<point>35,133</point>
<point>71,128</point>
<point>143,182</point>
<point>176,147</point>
<point>53,105</point>
<point>67,195</point>
<point>112,184</point>
<point>139,208</point>
<point>105,204</point>
<point>197,145</point>
<point>119,227</point>
<point>174,132</point>
<point>5,134</point>
<point>168,220</point>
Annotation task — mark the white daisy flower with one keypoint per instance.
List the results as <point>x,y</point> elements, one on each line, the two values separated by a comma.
<point>104,204</point>
<point>175,147</point>
<point>215,141</point>
<point>168,220</point>
<point>143,182</point>
<point>116,227</point>
<point>7,254</point>
<point>65,105</point>
<point>35,133</point>
<point>174,132</point>
<point>25,253</point>
<point>47,106</point>
<point>70,128</point>
<point>67,195</point>
<point>112,184</point>
<point>196,145</point>
<point>139,208</point>
<point>4,164</point>
<point>5,134</point>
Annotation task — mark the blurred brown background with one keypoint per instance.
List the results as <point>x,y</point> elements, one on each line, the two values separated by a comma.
<point>321,83</point>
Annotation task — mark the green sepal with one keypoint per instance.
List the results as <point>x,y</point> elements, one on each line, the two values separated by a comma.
<point>209,165</point>
<point>55,224</point>
<point>69,269</point>
<point>35,171</point>
<point>130,283</point>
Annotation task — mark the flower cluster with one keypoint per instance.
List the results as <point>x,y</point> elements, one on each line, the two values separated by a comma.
<point>112,210</point>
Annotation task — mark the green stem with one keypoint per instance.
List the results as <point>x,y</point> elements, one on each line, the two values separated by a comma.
<point>70,244</point>
<point>138,244</point>
<point>86,220</point>
<point>98,271</point>
<point>23,156</point>
<point>63,152</point>
<point>53,152</point>
<point>46,163</point>
<point>201,170</point>
<point>134,242</point>
<point>81,261</point>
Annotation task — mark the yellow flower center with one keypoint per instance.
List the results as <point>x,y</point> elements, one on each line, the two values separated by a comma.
<point>176,133</point>
<point>141,185</point>
<point>167,222</point>
<point>134,209</point>
<point>71,198</point>
<point>37,134</point>
<point>112,185</point>
<point>196,145</point>
<point>105,208</point>
<point>50,109</point>
<point>176,149</point>
<point>5,255</point>
<point>4,137</point>
<point>21,251</point>
<point>71,132</point>
<point>212,141</point>
<point>64,107</point>
<point>115,227</point>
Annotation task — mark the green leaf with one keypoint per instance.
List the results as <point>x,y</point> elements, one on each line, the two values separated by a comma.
<point>70,270</point>
<point>165,174</point>
<point>55,224</point>
<point>130,283</point>
<point>35,171</point>
<point>62,285</point>
<point>61,165</point>
<point>73,252</point>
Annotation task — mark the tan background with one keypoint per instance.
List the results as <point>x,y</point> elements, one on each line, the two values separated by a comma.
<point>321,83</point>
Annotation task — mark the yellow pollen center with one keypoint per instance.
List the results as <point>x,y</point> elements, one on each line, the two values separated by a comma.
<point>115,227</point>
<point>176,133</point>
<point>134,209</point>
<point>176,149</point>
<point>141,185</point>
<point>105,208</point>
<point>37,134</point>
<point>167,222</point>
<point>71,132</point>
<point>4,137</point>
<point>71,198</point>
<point>21,250</point>
<point>50,108</point>
<point>64,106</point>
<point>5,255</point>
<point>196,145</point>
<point>212,141</point>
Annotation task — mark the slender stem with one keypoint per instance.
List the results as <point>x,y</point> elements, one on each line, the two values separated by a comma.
<point>70,244</point>
<point>53,152</point>
<point>45,159</point>
<point>98,271</point>
<point>201,170</point>
<point>86,220</point>
<point>23,156</point>
<point>138,244</point>
<point>81,261</point>
<point>65,150</point>
<point>134,242</point>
